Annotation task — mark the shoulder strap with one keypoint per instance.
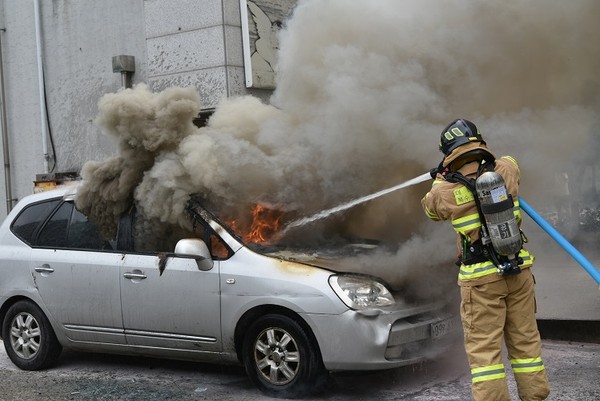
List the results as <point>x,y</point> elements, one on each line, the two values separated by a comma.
<point>455,176</point>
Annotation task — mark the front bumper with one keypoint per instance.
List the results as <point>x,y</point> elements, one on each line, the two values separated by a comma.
<point>383,339</point>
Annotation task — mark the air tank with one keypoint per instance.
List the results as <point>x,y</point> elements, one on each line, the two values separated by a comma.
<point>497,208</point>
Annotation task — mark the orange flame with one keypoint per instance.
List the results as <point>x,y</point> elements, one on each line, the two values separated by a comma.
<point>264,225</point>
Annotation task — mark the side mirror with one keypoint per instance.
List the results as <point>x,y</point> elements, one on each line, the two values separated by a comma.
<point>196,248</point>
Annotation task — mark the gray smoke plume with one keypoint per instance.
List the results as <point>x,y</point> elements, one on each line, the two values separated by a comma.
<point>363,91</point>
<point>147,126</point>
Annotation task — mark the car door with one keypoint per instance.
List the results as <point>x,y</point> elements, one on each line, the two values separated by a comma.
<point>77,276</point>
<point>178,309</point>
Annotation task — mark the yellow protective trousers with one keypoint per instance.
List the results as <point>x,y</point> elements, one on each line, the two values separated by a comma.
<point>503,310</point>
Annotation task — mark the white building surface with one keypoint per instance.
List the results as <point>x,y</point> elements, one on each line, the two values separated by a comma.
<point>57,62</point>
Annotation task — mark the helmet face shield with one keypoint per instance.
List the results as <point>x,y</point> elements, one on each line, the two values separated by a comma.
<point>458,133</point>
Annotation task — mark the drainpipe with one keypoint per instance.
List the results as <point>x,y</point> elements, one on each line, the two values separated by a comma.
<point>40,67</point>
<point>4,127</point>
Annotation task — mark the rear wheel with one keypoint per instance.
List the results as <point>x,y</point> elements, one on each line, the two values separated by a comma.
<point>28,337</point>
<point>281,359</point>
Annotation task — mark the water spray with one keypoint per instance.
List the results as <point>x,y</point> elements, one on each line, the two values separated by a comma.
<point>352,203</point>
<point>551,231</point>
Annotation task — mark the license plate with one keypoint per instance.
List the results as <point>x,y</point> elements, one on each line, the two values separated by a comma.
<point>442,328</point>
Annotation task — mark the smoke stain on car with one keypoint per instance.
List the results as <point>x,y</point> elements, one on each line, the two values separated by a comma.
<point>162,262</point>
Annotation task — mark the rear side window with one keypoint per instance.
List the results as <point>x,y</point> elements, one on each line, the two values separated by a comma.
<point>54,233</point>
<point>28,221</point>
<point>69,228</point>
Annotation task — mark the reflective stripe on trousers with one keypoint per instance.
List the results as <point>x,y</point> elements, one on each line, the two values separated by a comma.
<point>493,372</point>
<point>497,312</point>
<point>527,365</point>
<point>485,373</point>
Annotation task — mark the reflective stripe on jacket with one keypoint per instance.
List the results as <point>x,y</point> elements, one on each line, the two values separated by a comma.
<point>463,225</point>
<point>454,202</point>
<point>477,270</point>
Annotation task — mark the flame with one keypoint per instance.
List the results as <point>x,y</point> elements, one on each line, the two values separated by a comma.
<point>265,224</point>
<point>262,227</point>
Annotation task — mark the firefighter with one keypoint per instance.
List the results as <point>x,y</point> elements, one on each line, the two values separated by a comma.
<point>496,288</point>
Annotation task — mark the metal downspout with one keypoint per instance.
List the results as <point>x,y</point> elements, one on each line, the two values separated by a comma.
<point>40,67</point>
<point>5,147</point>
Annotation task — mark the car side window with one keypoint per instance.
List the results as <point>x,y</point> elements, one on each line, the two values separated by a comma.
<point>69,228</point>
<point>218,249</point>
<point>28,221</point>
<point>135,234</point>
<point>84,234</point>
<point>54,233</point>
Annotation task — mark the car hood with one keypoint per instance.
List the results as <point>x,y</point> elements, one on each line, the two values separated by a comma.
<point>338,260</point>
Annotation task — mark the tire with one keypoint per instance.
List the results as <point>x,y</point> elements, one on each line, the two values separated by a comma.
<point>28,337</point>
<point>281,358</point>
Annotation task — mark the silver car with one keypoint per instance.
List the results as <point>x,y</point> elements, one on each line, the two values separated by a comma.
<point>210,298</point>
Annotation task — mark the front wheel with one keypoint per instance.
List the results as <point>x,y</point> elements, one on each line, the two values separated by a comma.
<point>281,358</point>
<point>28,337</point>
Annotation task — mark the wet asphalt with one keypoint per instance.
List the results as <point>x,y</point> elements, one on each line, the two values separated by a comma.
<point>572,369</point>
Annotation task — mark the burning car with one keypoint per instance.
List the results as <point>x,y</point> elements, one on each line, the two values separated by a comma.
<point>212,298</point>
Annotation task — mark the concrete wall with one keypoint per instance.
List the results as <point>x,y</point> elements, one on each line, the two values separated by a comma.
<point>199,43</point>
<point>174,42</point>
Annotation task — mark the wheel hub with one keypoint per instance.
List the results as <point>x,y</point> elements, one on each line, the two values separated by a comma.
<point>277,356</point>
<point>25,333</point>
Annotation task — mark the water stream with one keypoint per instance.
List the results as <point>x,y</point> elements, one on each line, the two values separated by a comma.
<point>344,206</point>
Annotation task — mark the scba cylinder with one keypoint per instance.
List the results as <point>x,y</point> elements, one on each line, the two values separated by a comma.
<point>497,208</point>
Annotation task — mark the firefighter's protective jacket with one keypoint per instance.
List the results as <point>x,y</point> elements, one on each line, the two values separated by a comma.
<point>455,202</point>
<point>493,307</point>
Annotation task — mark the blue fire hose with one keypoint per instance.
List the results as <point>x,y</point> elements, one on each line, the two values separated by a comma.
<point>560,240</point>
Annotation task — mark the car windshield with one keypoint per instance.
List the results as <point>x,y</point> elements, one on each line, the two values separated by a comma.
<point>264,232</point>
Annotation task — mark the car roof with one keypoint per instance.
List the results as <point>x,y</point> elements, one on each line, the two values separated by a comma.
<point>64,191</point>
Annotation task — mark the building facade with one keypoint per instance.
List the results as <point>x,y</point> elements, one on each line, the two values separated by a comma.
<point>60,56</point>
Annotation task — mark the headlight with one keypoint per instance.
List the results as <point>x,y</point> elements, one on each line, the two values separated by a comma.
<point>360,292</point>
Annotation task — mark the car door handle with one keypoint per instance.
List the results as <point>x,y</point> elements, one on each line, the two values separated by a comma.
<point>45,268</point>
<point>136,276</point>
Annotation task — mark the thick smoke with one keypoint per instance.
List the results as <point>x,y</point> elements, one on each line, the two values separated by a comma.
<point>363,91</point>
<point>148,126</point>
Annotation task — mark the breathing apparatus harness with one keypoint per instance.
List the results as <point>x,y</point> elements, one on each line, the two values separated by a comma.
<point>500,237</point>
